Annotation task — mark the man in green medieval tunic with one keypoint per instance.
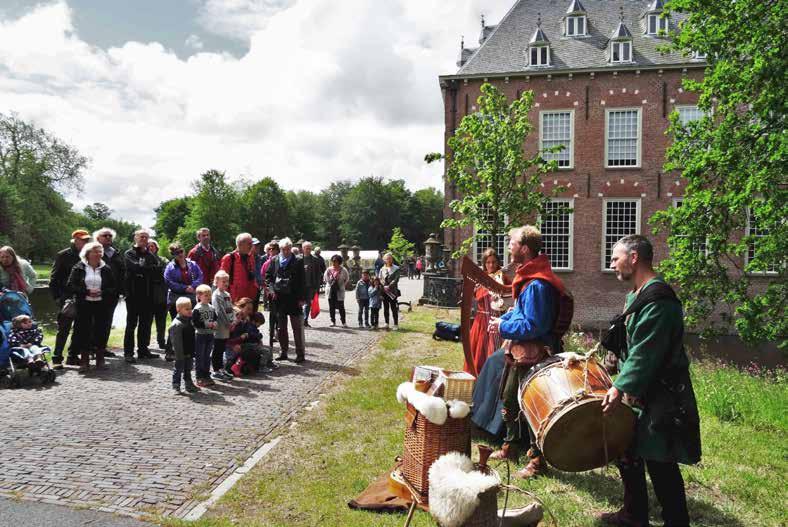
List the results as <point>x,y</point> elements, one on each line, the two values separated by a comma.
<point>655,379</point>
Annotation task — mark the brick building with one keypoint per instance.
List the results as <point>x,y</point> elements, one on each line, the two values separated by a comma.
<point>604,90</point>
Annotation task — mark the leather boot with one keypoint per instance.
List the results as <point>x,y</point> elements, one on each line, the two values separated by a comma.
<point>100,364</point>
<point>508,451</point>
<point>619,518</point>
<point>537,466</point>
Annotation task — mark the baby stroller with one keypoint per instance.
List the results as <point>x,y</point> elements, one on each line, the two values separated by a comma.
<point>12,304</point>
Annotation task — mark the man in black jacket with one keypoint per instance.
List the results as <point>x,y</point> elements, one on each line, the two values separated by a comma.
<point>141,268</point>
<point>285,281</point>
<point>61,269</point>
<point>312,278</point>
<point>114,259</point>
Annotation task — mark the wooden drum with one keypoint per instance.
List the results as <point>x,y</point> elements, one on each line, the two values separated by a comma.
<point>564,408</point>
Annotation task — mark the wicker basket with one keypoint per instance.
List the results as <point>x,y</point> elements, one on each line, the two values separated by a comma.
<point>425,442</point>
<point>457,385</point>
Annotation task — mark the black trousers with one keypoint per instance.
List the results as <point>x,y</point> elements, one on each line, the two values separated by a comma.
<point>160,318</point>
<point>217,355</point>
<point>101,338</point>
<point>64,325</point>
<point>88,328</point>
<point>668,486</point>
<point>139,317</point>
<point>390,304</point>
<point>333,306</point>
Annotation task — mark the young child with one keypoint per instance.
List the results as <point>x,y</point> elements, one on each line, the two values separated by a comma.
<point>26,338</point>
<point>182,342</point>
<point>243,347</point>
<point>362,297</point>
<point>204,322</point>
<point>374,291</point>
<point>225,316</point>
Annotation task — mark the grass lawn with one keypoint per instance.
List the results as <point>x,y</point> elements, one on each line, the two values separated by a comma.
<point>43,270</point>
<point>355,433</point>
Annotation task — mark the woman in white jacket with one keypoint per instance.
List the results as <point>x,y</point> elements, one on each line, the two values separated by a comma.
<point>336,278</point>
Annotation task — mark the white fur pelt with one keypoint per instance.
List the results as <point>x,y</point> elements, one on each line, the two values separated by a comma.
<point>455,489</point>
<point>432,408</point>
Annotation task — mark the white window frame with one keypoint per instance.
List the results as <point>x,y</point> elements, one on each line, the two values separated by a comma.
<point>705,250</point>
<point>639,138</point>
<point>571,242</point>
<point>538,56</point>
<point>571,148</point>
<point>638,214</point>
<point>574,19</point>
<point>748,232</point>
<point>697,55</point>
<point>504,255</point>
<point>680,107</point>
<point>660,24</point>
<point>619,43</point>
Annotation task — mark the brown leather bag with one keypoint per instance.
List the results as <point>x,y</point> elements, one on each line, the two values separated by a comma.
<point>527,352</point>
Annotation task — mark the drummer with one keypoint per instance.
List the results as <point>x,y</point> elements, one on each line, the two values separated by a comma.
<point>655,376</point>
<point>530,322</point>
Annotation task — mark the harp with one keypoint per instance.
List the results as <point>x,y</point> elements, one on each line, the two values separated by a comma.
<point>473,275</point>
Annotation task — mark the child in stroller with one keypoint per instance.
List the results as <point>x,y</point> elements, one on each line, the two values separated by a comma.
<point>21,341</point>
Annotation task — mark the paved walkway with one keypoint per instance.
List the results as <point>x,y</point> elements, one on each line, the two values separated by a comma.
<point>119,441</point>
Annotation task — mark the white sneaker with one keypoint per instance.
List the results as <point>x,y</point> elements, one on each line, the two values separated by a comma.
<point>396,327</point>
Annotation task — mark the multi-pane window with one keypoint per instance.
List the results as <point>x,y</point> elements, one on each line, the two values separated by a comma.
<point>657,24</point>
<point>623,138</point>
<point>696,246</point>
<point>621,51</point>
<point>698,55</point>
<point>557,231</point>
<point>575,26</point>
<point>757,231</point>
<point>540,56</point>
<point>556,130</point>
<point>622,218</point>
<point>687,114</point>
<point>484,240</point>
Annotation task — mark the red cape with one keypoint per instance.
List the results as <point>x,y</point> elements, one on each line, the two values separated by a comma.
<point>538,268</point>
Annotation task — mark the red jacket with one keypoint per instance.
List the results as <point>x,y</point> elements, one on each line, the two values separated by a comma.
<point>242,277</point>
<point>207,261</point>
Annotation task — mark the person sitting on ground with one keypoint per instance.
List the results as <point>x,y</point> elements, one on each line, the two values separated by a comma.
<point>362,297</point>
<point>182,342</point>
<point>375,291</point>
<point>225,315</point>
<point>16,274</point>
<point>204,322</point>
<point>336,278</point>
<point>26,340</point>
<point>243,347</point>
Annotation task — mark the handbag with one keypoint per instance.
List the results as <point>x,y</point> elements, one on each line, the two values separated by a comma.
<point>314,309</point>
<point>69,309</point>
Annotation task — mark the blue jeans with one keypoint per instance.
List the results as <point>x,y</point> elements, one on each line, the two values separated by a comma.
<point>203,346</point>
<point>363,311</point>
<point>183,368</point>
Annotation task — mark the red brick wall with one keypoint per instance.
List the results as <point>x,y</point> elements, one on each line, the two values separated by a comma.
<point>598,294</point>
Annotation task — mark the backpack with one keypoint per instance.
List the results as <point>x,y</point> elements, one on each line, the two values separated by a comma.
<point>616,338</point>
<point>566,311</point>
<point>446,331</point>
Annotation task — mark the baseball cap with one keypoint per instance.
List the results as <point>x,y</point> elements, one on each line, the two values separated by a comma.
<point>255,241</point>
<point>80,234</point>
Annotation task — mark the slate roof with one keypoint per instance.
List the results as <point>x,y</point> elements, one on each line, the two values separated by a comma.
<point>505,49</point>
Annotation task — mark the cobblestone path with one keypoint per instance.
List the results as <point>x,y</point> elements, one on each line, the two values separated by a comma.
<point>119,441</point>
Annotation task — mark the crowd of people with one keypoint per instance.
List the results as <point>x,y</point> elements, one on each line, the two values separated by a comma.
<point>213,300</point>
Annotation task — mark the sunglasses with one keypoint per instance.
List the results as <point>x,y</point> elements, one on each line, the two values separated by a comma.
<point>177,252</point>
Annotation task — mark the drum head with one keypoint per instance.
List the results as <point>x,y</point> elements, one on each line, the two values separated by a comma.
<point>573,442</point>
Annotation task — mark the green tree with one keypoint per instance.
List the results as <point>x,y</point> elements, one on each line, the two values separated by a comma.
<point>499,185</point>
<point>265,210</point>
<point>304,215</point>
<point>371,209</point>
<point>734,164</point>
<point>97,212</point>
<point>216,205</point>
<point>425,215</point>
<point>399,246</point>
<point>330,203</point>
<point>171,217</point>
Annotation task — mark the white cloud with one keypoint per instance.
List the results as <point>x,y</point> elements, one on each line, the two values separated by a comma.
<point>194,42</point>
<point>328,90</point>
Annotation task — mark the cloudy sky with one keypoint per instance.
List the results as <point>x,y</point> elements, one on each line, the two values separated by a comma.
<point>305,91</point>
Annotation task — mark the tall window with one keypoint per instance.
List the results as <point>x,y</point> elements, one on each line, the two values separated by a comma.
<point>622,148</point>
<point>696,246</point>
<point>687,114</point>
<point>557,130</point>
<point>657,24</point>
<point>575,26</point>
<point>557,231</point>
<point>540,56</point>
<point>621,51</point>
<point>622,218</point>
<point>757,231</point>
<point>484,240</point>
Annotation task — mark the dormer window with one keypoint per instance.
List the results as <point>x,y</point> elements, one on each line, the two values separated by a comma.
<point>576,26</point>
<point>621,44</point>
<point>576,22</point>
<point>657,24</point>
<point>698,55</point>
<point>539,48</point>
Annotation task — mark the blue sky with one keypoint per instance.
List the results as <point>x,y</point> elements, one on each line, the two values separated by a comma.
<point>308,92</point>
